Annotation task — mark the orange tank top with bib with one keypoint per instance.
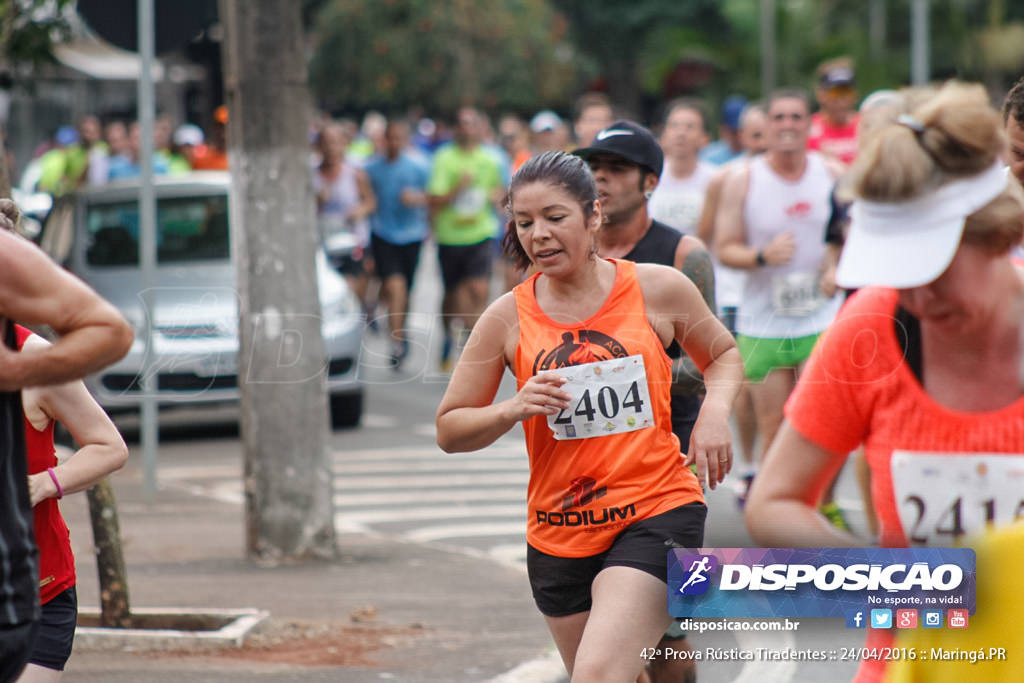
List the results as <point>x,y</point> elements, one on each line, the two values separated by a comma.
<point>610,459</point>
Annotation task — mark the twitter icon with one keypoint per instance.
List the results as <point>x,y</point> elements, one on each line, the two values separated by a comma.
<point>881,618</point>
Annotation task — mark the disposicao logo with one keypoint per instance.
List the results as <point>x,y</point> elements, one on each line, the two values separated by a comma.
<point>819,582</point>
<point>830,577</point>
<point>700,567</point>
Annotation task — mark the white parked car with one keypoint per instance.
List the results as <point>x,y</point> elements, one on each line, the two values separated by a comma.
<point>196,300</point>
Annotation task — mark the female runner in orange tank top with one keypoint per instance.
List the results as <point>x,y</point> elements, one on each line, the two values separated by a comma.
<point>923,365</point>
<point>608,492</point>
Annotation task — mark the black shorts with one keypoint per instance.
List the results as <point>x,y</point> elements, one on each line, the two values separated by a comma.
<point>56,631</point>
<point>464,262</point>
<point>561,585</point>
<point>349,262</point>
<point>395,259</point>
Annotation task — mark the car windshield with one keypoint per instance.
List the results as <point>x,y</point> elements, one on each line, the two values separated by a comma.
<point>188,229</point>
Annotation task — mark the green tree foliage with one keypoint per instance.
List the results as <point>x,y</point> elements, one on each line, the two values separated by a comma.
<point>392,55</point>
<point>634,44</point>
<point>970,39</point>
<point>29,28</point>
<point>530,54</point>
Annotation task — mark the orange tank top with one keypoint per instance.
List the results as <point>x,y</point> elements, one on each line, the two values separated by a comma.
<point>584,490</point>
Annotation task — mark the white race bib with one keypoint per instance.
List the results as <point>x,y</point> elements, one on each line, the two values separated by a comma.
<point>796,294</point>
<point>941,498</point>
<point>608,397</point>
<point>470,202</point>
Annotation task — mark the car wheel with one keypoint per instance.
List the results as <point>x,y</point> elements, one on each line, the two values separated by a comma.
<point>346,410</point>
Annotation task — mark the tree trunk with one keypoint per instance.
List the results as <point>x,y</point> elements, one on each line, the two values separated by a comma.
<point>115,610</point>
<point>288,487</point>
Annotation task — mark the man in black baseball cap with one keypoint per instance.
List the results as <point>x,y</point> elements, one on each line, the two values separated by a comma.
<point>627,160</point>
<point>629,140</point>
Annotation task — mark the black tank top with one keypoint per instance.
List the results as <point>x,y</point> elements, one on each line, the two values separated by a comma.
<point>19,573</point>
<point>658,245</point>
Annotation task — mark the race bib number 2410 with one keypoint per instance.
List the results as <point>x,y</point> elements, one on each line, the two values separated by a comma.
<point>608,397</point>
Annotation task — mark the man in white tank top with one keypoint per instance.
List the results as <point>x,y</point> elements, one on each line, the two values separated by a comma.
<point>771,222</point>
<point>679,196</point>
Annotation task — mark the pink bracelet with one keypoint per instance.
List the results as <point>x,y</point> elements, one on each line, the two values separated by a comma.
<point>53,476</point>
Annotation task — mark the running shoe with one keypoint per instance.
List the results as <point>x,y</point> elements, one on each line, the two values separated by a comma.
<point>399,350</point>
<point>834,515</point>
<point>372,323</point>
<point>743,490</point>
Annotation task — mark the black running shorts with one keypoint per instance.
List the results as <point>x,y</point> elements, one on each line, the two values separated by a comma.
<point>464,262</point>
<point>561,585</point>
<point>56,631</point>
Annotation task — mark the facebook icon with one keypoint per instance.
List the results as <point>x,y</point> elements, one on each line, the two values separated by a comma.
<point>856,619</point>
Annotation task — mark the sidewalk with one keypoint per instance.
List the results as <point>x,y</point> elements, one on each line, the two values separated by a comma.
<point>380,612</point>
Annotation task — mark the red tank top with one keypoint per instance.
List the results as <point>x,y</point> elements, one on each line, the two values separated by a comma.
<point>56,562</point>
<point>584,491</point>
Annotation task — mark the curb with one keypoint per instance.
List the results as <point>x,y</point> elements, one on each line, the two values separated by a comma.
<point>232,634</point>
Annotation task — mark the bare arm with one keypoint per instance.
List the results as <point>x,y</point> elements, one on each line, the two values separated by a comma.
<point>782,510</point>
<point>731,231</point>
<point>35,291</point>
<point>439,201</point>
<point>324,193</point>
<point>678,311</point>
<point>367,199</point>
<point>467,420</point>
<point>828,269</point>
<point>693,260</point>
<point>413,197</point>
<point>102,449</point>
<point>706,224</point>
<point>730,228</point>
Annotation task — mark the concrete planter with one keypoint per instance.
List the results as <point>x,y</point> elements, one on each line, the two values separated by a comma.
<point>169,628</point>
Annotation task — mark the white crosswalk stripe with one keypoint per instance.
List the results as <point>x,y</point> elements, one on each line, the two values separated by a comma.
<point>438,532</point>
<point>474,503</point>
<point>401,479</point>
<point>376,498</point>
<point>423,513</point>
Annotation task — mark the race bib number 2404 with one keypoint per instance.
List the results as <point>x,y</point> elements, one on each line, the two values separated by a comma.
<point>608,397</point>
